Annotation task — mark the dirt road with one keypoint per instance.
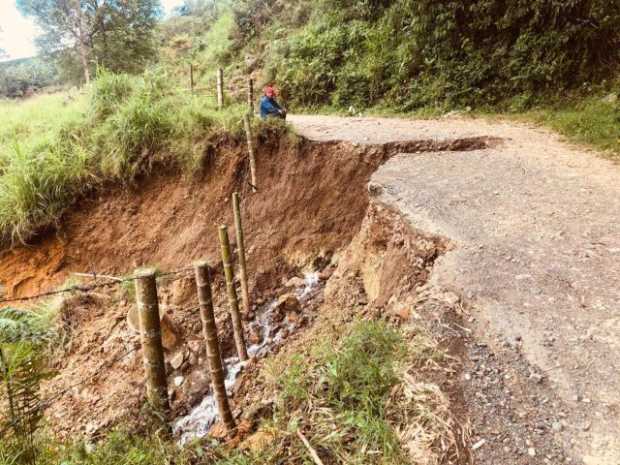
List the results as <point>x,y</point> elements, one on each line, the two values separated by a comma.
<point>535,224</point>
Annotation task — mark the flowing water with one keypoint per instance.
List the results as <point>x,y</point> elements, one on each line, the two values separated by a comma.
<point>198,422</point>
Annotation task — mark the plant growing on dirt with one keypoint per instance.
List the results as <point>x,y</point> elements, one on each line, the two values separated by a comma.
<point>23,336</point>
<point>355,402</point>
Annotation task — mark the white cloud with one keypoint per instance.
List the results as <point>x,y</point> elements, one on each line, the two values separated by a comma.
<point>16,32</point>
<point>168,5</point>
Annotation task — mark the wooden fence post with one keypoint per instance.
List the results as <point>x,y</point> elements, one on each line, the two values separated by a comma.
<point>191,77</point>
<point>251,95</point>
<point>220,88</point>
<point>232,295</point>
<point>152,349</point>
<point>243,274</point>
<point>248,135</point>
<point>205,298</point>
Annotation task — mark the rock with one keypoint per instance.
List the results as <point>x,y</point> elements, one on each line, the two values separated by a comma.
<point>531,452</point>
<point>479,444</point>
<point>557,426</point>
<point>178,380</point>
<point>255,336</point>
<point>218,431</point>
<point>177,360</point>
<point>611,98</point>
<point>375,189</point>
<point>295,282</point>
<point>196,385</point>
<point>292,318</point>
<point>326,273</point>
<point>182,291</point>
<point>196,346</point>
<point>537,378</point>
<point>258,442</point>
<point>451,298</point>
<point>288,303</point>
<point>403,312</point>
<point>169,333</point>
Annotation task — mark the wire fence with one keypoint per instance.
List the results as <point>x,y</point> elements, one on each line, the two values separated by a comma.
<point>315,220</point>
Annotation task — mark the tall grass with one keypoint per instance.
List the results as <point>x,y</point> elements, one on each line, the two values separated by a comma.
<point>55,148</point>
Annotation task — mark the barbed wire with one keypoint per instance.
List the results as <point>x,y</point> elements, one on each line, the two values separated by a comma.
<point>89,287</point>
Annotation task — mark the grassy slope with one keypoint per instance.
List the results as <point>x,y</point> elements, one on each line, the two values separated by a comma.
<point>55,148</point>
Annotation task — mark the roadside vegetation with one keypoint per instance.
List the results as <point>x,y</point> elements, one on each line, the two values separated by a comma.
<point>353,396</point>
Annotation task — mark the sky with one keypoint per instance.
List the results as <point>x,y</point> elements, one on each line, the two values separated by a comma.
<point>17,33</point>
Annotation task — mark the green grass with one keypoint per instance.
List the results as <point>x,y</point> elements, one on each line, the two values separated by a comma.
<point>591,121</point>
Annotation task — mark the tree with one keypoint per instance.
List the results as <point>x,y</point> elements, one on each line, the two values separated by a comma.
<point>3,53</point>
<point>117,34</point>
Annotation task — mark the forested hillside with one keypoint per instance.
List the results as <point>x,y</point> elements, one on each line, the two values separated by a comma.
<point>408,54</point>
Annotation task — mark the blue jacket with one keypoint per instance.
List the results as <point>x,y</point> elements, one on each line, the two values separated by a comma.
<point>269,107</point>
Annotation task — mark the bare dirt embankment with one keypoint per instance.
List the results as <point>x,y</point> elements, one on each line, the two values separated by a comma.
<point>534,224</point>
<point>312,214</point>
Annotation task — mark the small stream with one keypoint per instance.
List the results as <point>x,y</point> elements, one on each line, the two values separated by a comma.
<point>199,421</point>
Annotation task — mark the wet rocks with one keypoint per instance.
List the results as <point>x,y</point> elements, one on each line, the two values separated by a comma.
<point>177,360</point>
<point>256,335</point>
<point>295,282</point>
<point>288,303</point>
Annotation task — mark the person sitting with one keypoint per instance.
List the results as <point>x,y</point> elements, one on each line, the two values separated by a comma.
<point>269,107</point>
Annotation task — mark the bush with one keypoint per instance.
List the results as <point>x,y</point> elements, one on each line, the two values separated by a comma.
<point>412,53</point>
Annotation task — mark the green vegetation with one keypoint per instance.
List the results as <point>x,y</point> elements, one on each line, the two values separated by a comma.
<point>351,398</point>
<point>593,120</point>
<point>20,78</point>
<point>24,336</point>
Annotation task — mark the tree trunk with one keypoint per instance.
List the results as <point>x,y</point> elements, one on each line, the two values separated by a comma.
<point>81,39</point>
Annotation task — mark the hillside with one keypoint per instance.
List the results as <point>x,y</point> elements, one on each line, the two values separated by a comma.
<point>434,286</point>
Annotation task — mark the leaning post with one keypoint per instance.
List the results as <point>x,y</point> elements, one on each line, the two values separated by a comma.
<point>209,329</point>
<point>152,348</point>
<point>248,135</point>
<point>243,274</point>
<point>191,77</point>
<point>220,88</point>
<point>232,295</point>
<point>251,95</point>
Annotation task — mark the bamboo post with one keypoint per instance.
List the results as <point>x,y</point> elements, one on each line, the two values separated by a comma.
<point>205,298</point>
<point>232,295</point>
<point>220,88</point>
<point>152,349</point>
<point>243,274</point>
<point>191,77</point>
<point>251,95</point>
<point>248,134</point>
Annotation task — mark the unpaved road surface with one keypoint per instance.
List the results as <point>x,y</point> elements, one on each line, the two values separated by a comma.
<point>535,228</point>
